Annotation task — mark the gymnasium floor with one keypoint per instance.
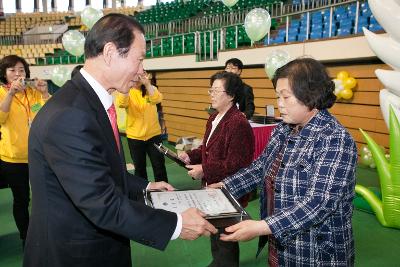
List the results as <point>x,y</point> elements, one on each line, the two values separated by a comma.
<point>375,245</point>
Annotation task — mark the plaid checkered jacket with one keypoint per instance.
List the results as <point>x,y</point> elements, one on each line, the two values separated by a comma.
<point>314,189</point>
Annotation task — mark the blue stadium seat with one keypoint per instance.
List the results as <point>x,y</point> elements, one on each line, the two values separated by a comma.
<point>316,27</point>
<point>301,37</point>
<point>343,31</point>
<point>277,40</point>
<point>293,31</point>
<point>292,38</point>
<point>317,34</point>
<point>346,23</point>
<point>375,27</point>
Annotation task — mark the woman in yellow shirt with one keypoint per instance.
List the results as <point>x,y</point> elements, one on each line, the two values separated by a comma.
<point>143,128</point>
<point>19,102</point>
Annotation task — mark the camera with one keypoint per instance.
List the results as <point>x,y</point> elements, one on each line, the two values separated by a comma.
<point>28,82</point>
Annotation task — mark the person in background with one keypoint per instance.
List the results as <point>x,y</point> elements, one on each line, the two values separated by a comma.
<point>306,175</point>
<point>228,145</point>
<point>20,100</point>
<point>85,205</point>
<point>143,128</point>
<point>246,99</point>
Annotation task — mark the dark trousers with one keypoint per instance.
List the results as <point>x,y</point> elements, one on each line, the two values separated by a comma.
<point>139,149</point>
<point>225,254</point>
<point>16,176</point>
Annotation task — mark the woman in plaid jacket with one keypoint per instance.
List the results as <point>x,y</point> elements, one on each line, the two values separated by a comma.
<point>307,176</point>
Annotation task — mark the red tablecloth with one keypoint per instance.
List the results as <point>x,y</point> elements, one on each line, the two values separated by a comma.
<point>262,133</point>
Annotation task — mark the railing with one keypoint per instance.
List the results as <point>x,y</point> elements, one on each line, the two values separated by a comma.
<point>218,35</point>
<point>206,44</point>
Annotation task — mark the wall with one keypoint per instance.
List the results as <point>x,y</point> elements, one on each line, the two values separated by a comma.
<point>186,98</point>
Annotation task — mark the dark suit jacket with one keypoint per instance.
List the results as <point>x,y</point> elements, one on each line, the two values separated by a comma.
<point>230,148</point>
<point>81,211</point>
<point>246,101</point>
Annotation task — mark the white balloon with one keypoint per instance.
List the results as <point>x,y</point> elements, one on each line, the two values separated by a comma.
<point>229,3</point>
<point>257,23</point>
<point>74,42</point>
<point>275,60</point>
<point>390,79</point>
<point>387,13</point>
<point>385,48</point>
<point>386,98</point>
<point>90,16</point>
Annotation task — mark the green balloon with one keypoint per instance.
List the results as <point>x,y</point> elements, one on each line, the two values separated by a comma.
<point>257,24</point>
<point>60,75</point>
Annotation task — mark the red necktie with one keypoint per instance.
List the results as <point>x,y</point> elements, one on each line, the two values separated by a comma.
<point>112,114</point>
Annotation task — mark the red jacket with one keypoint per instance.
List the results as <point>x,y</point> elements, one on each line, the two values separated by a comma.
<point>230,148</point>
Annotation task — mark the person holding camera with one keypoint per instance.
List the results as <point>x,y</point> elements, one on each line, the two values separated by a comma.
<point>143,128</point>
<point>20,100</point>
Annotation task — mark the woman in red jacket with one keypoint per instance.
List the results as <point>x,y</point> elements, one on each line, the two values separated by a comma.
<point>228,146</point>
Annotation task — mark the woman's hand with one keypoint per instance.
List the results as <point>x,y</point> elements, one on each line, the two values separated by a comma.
<point>216,185</point>
<point>182,155</point>
<point>145,79</point>
<point>16,86</point>
<point>245,231</point>
<point>41,86</point>
<point>196,171</point>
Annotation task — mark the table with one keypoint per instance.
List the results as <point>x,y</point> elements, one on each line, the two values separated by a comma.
<point>262,134</point>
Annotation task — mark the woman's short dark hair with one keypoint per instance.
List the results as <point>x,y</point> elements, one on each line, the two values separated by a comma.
<point>9,62</point>
<point>114,28</point>
<point>309,81</point>
<point>232,83</point>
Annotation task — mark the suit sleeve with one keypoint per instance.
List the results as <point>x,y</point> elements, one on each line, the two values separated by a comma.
<point>75,151</point>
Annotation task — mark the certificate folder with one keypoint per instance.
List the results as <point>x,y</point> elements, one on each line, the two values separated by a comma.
<point>220,207</point>
<point>170,154</point>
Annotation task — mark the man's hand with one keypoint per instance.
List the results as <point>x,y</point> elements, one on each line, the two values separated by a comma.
<point>196,171</point>
<point>246,230</point>
<point>161,186</point>
<point>194,225</point>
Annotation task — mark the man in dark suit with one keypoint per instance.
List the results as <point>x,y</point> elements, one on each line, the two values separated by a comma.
<point>246,99</point>
<point>84,203</point>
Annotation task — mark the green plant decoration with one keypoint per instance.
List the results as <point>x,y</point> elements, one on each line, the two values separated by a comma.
<point>386,210</point>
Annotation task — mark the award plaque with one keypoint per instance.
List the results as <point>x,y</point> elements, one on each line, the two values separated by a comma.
<point>220,207</point>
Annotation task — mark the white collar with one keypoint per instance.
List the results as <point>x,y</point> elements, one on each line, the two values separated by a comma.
<point>105,98</point>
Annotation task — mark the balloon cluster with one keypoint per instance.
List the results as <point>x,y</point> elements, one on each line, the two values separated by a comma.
<point>344,85</point>
<point>274,61</point>
<point>74,43</point>
<point>257,24</point>
<point>366,156</point>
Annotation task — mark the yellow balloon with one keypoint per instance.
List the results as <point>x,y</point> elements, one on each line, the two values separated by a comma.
<point>349,83</point>
<point>342,75</point>
<point>346,94</point>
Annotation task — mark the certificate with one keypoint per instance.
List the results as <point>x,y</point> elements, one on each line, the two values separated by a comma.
<point>220,207</point>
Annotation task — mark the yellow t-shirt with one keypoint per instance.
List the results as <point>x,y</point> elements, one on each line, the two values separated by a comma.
<point>141,114</point>
<point>15,124</point>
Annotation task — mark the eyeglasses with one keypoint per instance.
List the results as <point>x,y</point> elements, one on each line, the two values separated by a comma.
<point>214,91</point>
<point>231,68</point>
